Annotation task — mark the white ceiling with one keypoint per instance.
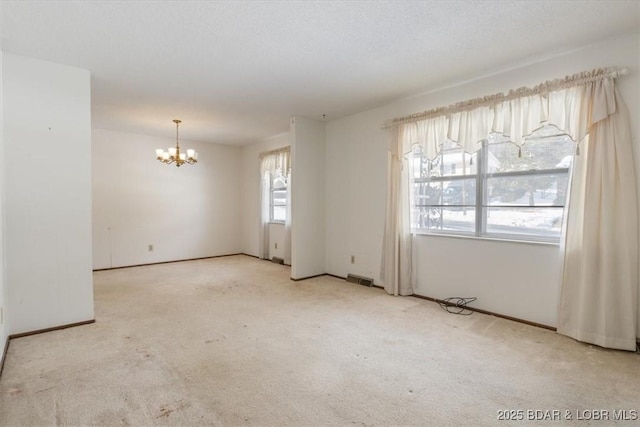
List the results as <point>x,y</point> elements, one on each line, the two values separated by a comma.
<point>235,71</point>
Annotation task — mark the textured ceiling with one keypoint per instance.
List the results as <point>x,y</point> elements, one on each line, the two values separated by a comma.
<point>235,72</point>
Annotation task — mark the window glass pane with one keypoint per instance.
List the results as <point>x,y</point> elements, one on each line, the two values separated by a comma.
<point>517,200</point>
<point>528,190</point>
<point>279,213</point>
<point>445,218</point>
<point>279,182</point>
<point>420,218</point>
<point>451,161</point>
<point>546,148</point>
<point>419,164</point>
<point>525,222</point>
<point>279,197</point>
<point>459,192</point>
<point>426,193</point>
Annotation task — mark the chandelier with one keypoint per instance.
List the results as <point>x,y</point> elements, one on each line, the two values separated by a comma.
<point>173,155</point>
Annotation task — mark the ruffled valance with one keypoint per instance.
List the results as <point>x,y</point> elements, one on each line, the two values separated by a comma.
<point>276,160</point>
<point>572,104</point>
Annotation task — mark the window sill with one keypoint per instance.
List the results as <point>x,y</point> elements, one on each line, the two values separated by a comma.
<point>277,222</point>
<point>487,238</point>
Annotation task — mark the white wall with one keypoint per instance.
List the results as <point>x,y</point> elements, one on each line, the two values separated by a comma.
<point>514,279</point>
<point>356,162</point>
<point>47,126</point>
<point>528,286</point>
<point>251,189</point>
<point>308,257</point>
<point>188,212</point>
<point>276,240</point>
<point>3,285</point>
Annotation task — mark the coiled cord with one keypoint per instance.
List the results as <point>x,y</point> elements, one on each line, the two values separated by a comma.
<point>457,305</point>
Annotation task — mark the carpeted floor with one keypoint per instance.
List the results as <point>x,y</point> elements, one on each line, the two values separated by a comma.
<point>232,341</point>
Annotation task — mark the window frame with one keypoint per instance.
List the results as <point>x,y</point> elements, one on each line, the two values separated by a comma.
<point>272,203</point>
<point>481,204</point>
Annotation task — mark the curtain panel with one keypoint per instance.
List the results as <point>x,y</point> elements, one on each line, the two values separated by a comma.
<point>273,164</point>
<point>599,302</point>
<point>396,270</point>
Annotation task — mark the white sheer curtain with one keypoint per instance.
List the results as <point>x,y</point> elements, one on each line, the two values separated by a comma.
<point>287,222</point>
<point>599,296</point>
<point>265,212</point>
<point>396,271</point>
<point>276,163</point>
<point>599,302</point>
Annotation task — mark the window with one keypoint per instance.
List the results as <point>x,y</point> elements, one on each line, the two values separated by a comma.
<point>278,198</point>
<point>502,190</point>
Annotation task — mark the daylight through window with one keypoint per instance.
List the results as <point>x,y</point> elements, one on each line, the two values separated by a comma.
<point>501,191</point>
<point>278,198</point>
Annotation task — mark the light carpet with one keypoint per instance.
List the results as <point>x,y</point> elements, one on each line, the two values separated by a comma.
<point>232,341</point>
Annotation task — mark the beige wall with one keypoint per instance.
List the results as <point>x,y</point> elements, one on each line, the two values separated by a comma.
<point>47,196</point>
<point>188,212</point>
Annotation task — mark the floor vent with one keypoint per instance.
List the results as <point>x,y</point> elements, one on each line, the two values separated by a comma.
<point>277,260</point>
<point>364,281</point>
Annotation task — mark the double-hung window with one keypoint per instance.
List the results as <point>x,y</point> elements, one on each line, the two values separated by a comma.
<point>501,191</point>
<point>278,201</point>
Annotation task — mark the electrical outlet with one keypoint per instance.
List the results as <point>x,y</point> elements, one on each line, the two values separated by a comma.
<point>150,248</point>
<point>353,259</point>
<point>276,245</point>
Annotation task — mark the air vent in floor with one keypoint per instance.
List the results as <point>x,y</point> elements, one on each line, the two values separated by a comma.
<point>365,281</point>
